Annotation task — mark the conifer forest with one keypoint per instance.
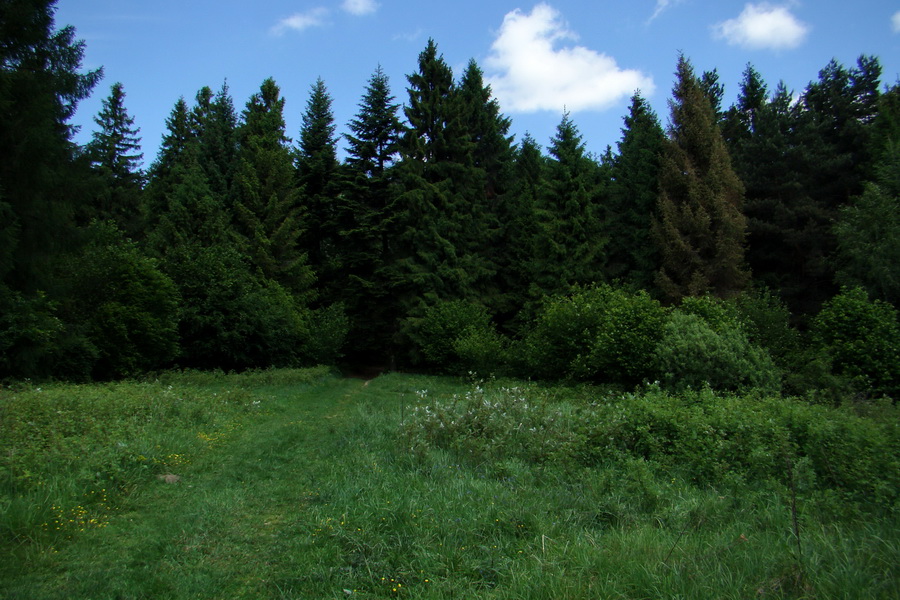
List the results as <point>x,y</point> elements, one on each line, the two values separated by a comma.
<point>755,245</point>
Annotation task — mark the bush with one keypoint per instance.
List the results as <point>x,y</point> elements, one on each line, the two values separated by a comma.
<point>447,327</point>
<point>767,322</point>
<point>230,317</point>
<point>693,354</point>
<point>600,333</point>
<point>711,438</point>
<point>862,338</point>
<point>123,305</point>
<point>328,327</point>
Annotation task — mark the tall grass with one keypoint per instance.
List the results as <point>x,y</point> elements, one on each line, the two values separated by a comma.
<point>303,485</point>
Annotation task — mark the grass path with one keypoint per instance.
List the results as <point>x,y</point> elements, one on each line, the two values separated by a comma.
<point>237,520</point>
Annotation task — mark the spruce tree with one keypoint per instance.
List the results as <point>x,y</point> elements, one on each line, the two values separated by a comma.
<point>265,199</point>
<point>214,123</point>
<point>115,151</point>
<point>701,229</point>
<point>41,84</point>
<point>363,217</point>
<point>317,174</point>
<point>631,254</point>
<point>570,244</point>
<point>519,227</point>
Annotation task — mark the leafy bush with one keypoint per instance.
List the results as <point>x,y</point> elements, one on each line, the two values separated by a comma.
<point>124,305</point>
<point>719,315</point>
<point>692,353</point>
<point>767,321</point>
<point>441,329</point>
<point>711,438</point>
<point>482,350</point>
<point>328,327</point>
<point>862,337</point>
<point>600,333</point>
<point>30,331</point>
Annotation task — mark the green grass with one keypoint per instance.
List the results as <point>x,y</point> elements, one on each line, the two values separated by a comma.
<point>299,484</point>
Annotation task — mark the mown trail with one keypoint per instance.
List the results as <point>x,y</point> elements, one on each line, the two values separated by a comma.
<point>237,521</point>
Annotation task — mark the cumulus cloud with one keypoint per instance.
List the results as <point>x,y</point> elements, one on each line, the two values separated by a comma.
<point>895,22</point>
<point>359,7</point>
<point>314,17</point>
<point>763,26</point>
<point>534,72</point>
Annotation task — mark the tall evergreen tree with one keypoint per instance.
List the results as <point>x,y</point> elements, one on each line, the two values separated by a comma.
<point>426,260</point>
<point>519,228</point>
<point>265,198</point>
<point>41,84</point>
<point>116,154</point>
<point>214,122</point>
<point>570,246</point>
<point>317,174</point>
<point>701,228</point>
<point>483,187</point>
<point>633,197</point>
<point>373,149</point>
<point>375,131</point>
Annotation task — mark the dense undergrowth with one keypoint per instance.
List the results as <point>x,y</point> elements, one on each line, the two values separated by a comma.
<point>299,484</point>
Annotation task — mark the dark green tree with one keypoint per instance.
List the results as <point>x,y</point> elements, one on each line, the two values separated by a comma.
<point>426,216</point>
<point>569,244</point>
<point>265,198</point>
<point>630,254</point>
<point>868,233</point>
<point>701,229</point>
<point>41,184</point>
<point>318,176</point>
<point>41,84</point>
<point>363,217</point>
<point>115,150</point>
<point>214,124</point>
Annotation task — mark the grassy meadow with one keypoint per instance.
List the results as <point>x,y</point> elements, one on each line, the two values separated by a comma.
<point>304,484</point>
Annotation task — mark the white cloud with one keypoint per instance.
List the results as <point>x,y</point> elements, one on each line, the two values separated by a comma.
<point>895,22</point>
<point>535,74</point>
<point>359,7</point>
<point>661,6</point>
<point>314,17</point>
<point>763,26</point>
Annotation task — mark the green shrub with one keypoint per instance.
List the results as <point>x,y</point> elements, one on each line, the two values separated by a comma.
<point>711,438</point>
<point>767,321</point>
<point>437,334</point>
<point>482,350</point>
<point>30,334</point>
<point>231,318</point>
<point>718,314</point>
<point>693,354</point>
<point>121,302</point>
<point>862,338</point>
<point>328,327</point>
<point>600,333</point>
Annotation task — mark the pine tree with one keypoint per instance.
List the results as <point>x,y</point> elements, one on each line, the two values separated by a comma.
<point>631,255</point>
<point>116,154</point>
<point>40,87</point>
<point>375,132</point>
<point>373,150</point>
<point>265,198</point>
<point>570,244</point>
<point>519,228</point>
<point>700,230</point>
<point>214,123</point>
<point>317,174</point>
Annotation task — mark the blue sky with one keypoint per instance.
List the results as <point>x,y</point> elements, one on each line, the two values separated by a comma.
<point>540,57</point>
